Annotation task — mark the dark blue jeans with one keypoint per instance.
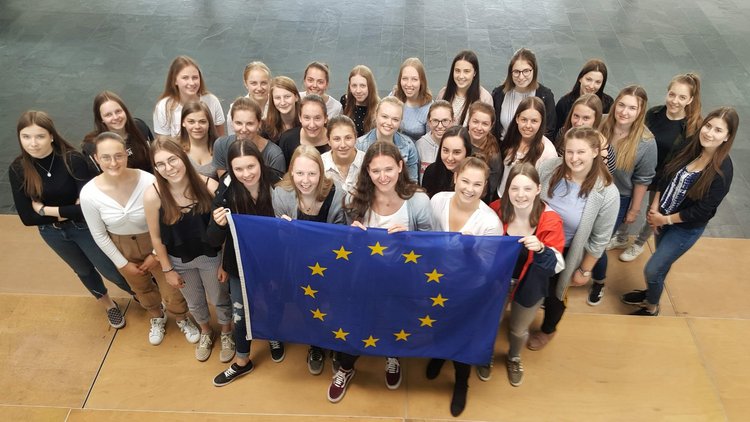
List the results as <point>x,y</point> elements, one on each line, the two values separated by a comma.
<point>73,243</point>
<point>671,243</point>
<point>242,344</point>
<point>599,272</point>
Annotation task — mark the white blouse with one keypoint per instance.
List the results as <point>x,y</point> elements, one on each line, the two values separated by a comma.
<point>483,222</point>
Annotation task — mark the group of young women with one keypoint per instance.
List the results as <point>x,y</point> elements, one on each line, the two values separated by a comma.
<point>150,215</point>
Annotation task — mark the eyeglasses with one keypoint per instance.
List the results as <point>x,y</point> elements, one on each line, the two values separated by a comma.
<point>525,72</point>
<point>444,122</point>
<point>117,157</point>
<point>172,161</point>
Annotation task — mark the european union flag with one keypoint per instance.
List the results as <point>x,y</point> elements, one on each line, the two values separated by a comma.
<point>420,294</point>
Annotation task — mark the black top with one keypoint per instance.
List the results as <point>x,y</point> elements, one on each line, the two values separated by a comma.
<point>437,178</point>
<point>360,112</point>
<point>566,103</point>
<point>59,190</point>
<point>697,213</point>
<point>542,92</point>
<point>186,239</point>
<point>669,134</point>
<point>290,141</point>
<point>322,216</point>
<point>145,165</point>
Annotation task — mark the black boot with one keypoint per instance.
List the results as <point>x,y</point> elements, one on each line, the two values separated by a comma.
<point>458,402</point>
<point>433,368</point>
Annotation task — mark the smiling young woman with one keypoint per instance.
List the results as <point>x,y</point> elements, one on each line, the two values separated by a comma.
<point>283,109</point>
<point>316,81</point>
<point>439,119</point>
<point>343,162</point>
<point>256,77</point>
<point>592,79</point>
<point>412,89</point>
<point>361,98</point>
<point>184,83</point>
<point>463,87</point>
<point>455,145</point>
<point>198,136</point>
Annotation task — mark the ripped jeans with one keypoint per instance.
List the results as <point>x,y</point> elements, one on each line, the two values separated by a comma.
<point>238,311</point>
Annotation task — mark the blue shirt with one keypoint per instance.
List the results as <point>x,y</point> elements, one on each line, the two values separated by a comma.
<point>566,202</point>
<point>405,146</point>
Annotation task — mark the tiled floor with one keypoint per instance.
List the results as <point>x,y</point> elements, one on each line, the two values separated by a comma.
<point>62,362</point>
<point>57,55</point>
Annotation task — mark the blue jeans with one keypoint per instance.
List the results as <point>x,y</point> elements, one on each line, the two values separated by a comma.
<point>242,344</point>
<point>671,243</point>
<point>73,243</point>
<point>599,272</point>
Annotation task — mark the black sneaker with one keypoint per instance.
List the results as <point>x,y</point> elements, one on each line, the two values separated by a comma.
<point>645,312</point>
<point>277,351</point>
<point>636,297</point>
<point>595,294</point>
<point>115,317</point>
<point>235,371</point>
<point>315,360</point>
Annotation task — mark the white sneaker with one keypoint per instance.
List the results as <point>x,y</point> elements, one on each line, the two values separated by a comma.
<point>203,350</point>
<point>156,333</point>
<point>631,253</point>
<point>192,333</point>
<point>617,243</point>
<point>227,347</point>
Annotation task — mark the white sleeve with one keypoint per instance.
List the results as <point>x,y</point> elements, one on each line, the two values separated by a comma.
<point>90,205</point>
<point>230,128</point>
<point>160,118</point>
<point>215,106</point>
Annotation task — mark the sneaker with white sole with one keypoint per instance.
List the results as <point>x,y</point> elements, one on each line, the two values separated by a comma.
<point>192,333</point>
<point>596,292</point>
<point>156,333</point>
<point>515,371</point>
<point>205,344</point>
<point>115,317</point>
<point>616,242</point>
<point>635,297</point>
<point>340,381</point>
<point>227,347</point>
<point>631,253</point>
<point>232,373</point>
<point>277,351</point>
<point>484,372</point>
<point>392,373</point>
<point>315,360</point>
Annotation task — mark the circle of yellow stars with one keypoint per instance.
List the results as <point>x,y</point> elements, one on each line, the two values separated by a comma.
<point>376,249</point>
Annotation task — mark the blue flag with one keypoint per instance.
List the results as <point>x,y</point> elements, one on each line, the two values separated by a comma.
<point>367,292</point>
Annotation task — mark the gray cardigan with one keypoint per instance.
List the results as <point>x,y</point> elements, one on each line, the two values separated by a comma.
<point>595,228</point>
<point>285,203</point>
<point>419,209</point>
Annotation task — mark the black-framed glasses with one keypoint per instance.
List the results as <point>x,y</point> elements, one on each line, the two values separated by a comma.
<point>525,72</point>
<point>444,122</point>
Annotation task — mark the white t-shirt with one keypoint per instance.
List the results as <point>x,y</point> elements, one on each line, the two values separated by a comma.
<point>173,128</point>
<point>103,214</point>
<point>483,222</point>
<point>400,217</point>
<point>333,172</point>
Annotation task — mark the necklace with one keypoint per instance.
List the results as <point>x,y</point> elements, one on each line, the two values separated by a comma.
<point>305,207</point>
<point>49,171</point>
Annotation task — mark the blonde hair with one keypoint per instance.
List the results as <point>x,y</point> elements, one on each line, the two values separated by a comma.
<point>324,183</point>
<point>626,150</point>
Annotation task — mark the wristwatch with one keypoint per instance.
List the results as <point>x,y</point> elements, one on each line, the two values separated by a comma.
<point>584,273</point>
<point>41,211</point>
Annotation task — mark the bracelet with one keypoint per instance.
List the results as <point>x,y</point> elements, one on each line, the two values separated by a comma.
<point>541,250</point>
<point>669,220</point>
<point>168,271</point>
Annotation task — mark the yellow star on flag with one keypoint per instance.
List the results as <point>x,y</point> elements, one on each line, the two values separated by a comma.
<point>377,249</point>
<point>433,276</point>
<point>317,269</point>
<point>426,321</point>
<point>342,253</point>
<point>402,335</point>
<point>410,257</point>
<point>439,300</point>
<point>340,334</point>
<point>370,341</point>
<point>317,314</point>
<point>309,291</point>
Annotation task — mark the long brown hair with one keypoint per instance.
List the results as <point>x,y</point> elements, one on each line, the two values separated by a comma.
<point>626,149</point>
<point>324,182</point>
<point>589,100</point>
<point>694,149</point>
<point>490,148</point>
<point>239,197</point>
<point>474,92</point>
<point>506,207</point>
<point>598,169</point>
<point>32,181</point>
<point>171,92</point>
<point>513,137</point>
<point>273,126</point>
<point>196,107</point>
<point>693,110</point>
<point>593,65</point>
<point>196,189</point>
<point>138,142</point>
<point>372,96</point>
<point>363,194</point>
<point>424,96</point>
